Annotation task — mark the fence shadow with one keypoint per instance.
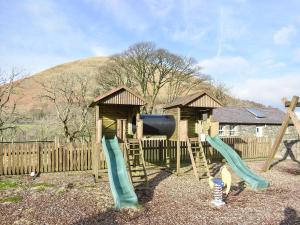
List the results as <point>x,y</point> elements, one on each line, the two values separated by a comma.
<point>289,152</point>
<point>146,194</point>
<point>290,217</point>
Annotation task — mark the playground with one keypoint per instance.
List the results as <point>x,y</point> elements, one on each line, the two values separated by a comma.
<point>74,198</point>
<point>144,169</point>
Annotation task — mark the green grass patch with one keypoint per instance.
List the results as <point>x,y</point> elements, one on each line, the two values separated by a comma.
<point>11,199</point>
<point>42,186</point>
<point>89,186</point>
<point>8,183</point>
<point>60,191</point>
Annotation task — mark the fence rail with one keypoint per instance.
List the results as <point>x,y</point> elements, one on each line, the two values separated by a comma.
<point>23,158</point>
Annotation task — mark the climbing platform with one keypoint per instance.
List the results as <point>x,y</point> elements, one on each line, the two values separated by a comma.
<point>136,162</point>
<point>198,159</point>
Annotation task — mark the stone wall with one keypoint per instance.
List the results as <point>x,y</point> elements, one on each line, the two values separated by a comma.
<point>250,131</point>
<point>291,140</point>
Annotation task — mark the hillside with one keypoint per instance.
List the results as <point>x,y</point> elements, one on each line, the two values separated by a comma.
<point>29,90</point>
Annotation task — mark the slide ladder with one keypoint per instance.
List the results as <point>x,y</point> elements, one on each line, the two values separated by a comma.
<point>237,164</point>
<point>198,159</point>
<point>136,162</point>
<point>120,184</point>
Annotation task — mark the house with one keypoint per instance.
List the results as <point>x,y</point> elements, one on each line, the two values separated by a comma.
<point>251,122</point>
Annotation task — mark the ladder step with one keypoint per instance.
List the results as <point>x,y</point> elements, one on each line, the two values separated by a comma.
<point>140,176</point>
<point>134,154</point>
<point>136,170</point>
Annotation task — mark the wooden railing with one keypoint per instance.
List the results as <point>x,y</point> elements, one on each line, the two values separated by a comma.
<point>26,157</point>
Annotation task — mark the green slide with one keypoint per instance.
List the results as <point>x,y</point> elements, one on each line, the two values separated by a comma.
<point>121,187</point>
<point>237,164</point>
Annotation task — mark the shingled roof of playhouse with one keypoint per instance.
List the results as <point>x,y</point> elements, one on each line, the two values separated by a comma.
<point>189,99</point>
<point>121,95</point>
<point>241,115</point>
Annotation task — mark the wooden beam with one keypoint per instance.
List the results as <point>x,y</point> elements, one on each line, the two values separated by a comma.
<point>99,131</point>
<point>295,120</point>
<point>97,139</point>
<point>288,103</point>
<point>178,143</point>
<point>280,135</point>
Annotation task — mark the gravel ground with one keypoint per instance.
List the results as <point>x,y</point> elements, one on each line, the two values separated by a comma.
<point>74,198</point>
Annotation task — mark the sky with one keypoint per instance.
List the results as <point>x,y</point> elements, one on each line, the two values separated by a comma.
<point>251,46</point>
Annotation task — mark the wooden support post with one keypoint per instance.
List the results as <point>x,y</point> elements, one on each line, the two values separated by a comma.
<point>178,146</point>
<point>139,131</point>
<point>183,130</point>
<point>99,123</point>
<point>280,135</point>
<point>95,160</point>
<point>119,129</point>
<point>124,129</point>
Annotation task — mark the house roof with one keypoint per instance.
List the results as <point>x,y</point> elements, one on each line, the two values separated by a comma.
<point>241,115</point>
<point>115,91</point>
<point>186,100</point>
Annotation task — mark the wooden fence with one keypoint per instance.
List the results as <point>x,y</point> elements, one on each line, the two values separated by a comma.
<point>23,158</point>
<point>158,152</point>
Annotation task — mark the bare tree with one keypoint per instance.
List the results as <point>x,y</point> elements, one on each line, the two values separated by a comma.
<point>221,92</point>
<point>69,95</point>
<point>8,114</point>
<point>148,70</point>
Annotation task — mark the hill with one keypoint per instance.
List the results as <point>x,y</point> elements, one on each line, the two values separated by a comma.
<point>29,89</point>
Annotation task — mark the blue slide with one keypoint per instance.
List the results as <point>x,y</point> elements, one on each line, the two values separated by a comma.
<point>120,184</point>
<point>237,164</point>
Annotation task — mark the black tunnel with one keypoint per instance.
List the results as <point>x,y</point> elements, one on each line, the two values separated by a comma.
<point>157,125</point>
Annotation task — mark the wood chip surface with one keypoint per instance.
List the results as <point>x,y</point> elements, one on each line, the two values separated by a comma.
<point>74,198</point>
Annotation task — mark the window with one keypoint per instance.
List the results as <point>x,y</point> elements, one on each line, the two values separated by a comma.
<point>259,131</point>
<point>233,130</point>
<point>222,130</point>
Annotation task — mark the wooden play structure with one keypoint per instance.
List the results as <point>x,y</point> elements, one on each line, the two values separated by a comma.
<point>290,116</point>
<point>114,113</point>
<point>117,112</point>
<point>193,116</point>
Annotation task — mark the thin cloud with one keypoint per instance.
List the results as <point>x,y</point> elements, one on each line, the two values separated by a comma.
<point>124,13</point>
<point>268,91</point>
<point>225,68</point>
<point>284,35</point>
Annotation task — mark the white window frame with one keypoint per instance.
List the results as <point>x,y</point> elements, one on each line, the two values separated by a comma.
<point>259,131</point>
<point>233,130</point>
<point>222,132</point>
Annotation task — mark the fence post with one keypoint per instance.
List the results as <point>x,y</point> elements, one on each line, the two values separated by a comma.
<point>38,157</point>
<point>168,154</point>
<point>1,159</point>
<point>178,157</point>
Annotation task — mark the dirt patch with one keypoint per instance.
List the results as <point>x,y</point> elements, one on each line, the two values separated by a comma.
<point>74,198</point>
